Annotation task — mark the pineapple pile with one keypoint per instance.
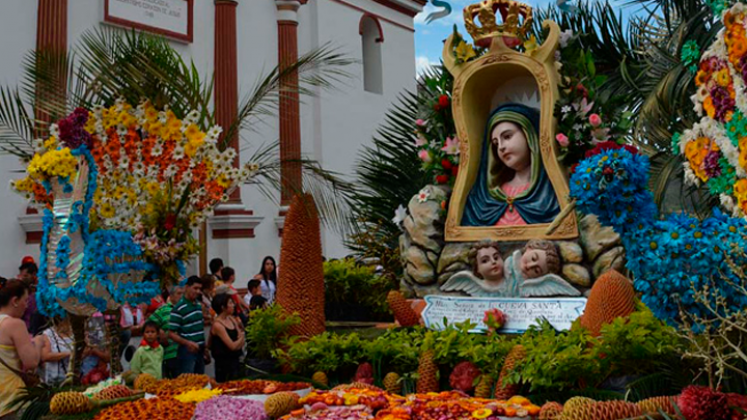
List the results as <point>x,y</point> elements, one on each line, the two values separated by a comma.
<point>68,403</point>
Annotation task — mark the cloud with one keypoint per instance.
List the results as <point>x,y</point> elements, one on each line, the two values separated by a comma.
<point>422,63</point>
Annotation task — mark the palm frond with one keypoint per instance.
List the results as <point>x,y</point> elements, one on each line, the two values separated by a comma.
<point>330,191</point>
<point>322,68</point>
<point>16,126</point>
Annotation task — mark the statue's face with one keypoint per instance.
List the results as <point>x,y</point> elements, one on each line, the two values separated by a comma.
<point>490,264</point>
<point>511,144</point>
<point>534,263</point>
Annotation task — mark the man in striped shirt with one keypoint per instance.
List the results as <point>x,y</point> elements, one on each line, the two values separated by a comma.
<point>187,329</point>
<point>162,317</point>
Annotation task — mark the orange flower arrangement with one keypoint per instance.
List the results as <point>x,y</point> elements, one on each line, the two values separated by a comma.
<point>154,408</point>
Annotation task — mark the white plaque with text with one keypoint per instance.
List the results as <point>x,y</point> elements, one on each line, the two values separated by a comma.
<point>521,312</point>
<point>171,18</point>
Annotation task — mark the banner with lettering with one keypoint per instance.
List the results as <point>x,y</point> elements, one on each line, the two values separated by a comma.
<point>521,312</point>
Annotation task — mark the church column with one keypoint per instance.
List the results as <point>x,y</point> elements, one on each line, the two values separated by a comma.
<point>232,223</point>
<point>51,35</point>
<point>290,122</point>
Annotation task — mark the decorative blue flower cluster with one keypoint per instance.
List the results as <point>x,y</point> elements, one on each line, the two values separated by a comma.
<point>108,255</point>
<point>670,259</point>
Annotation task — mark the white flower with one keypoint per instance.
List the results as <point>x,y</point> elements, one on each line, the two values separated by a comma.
<point>690,177</point>
<point>54,130</point>
<point>566,109</point>
<point>124,162</point>
<point>565,36</point>
<point>157,150</point>
<point>399,215</point>
<point>38,145</point>
<point>577,127</point>
<point>178,153</point>
<point>215,131</point>
<point>423,195</point>
<point>727,202</point>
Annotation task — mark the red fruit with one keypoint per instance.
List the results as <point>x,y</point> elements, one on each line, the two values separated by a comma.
<point>364,373</point>
<point>446,164</point>
<point>454,170</point>
<point>703,403</point>
<point>442,179</point>
<point>443,101</point>
<point>463,376</point>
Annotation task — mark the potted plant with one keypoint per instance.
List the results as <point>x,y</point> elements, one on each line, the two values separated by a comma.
<point>265,328</point>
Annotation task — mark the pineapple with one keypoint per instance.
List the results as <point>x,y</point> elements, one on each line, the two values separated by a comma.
<point>320,378</point>
<point>551,410</point>
<point>505,391</point>
<point>280,404</point>
<point>403,312</point>
<point>392,383</point>
<point>427,373</point>
<point>66,403</point>
<point>484,387</point>
<point>113,392</point>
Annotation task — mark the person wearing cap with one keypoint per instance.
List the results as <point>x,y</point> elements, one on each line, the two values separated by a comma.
<point>27,272</point>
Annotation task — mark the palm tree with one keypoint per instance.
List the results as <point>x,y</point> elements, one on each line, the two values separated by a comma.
<point>640,60</point>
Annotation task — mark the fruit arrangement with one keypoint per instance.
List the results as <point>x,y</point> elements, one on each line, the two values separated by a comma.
<point>255,387</point>
<point>154,408</point>
<point>90,391</point>
<point>281,403</point>
<point>113,392</point>
<point>321,411</point>
<point>226,408</point>
<point>373,399</point>
<point>67,403</point>
<point>186,381</point>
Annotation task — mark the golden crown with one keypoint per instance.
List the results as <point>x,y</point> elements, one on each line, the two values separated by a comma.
<point>486,11</point>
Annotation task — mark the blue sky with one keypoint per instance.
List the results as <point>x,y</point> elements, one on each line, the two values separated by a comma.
<point>429,37</point>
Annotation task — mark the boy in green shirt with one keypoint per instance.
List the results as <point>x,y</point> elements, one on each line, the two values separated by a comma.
<point>149,356</point>
<point>162,317</point>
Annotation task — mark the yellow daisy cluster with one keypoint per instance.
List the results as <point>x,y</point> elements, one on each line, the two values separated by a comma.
<point>52,163</point>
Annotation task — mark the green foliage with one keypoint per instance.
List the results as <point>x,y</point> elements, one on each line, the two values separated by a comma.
<point>395,351</point>
<point>266,328</point>
<point>637,345</point>
<point>557,361</point>
<point>346,282</point>
<point>327,352</point>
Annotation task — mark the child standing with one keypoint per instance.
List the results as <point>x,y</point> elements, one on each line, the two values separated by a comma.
<point>149,356</point>
<point>254,298</point>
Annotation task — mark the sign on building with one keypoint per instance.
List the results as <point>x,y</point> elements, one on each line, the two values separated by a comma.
<point>170,18</point>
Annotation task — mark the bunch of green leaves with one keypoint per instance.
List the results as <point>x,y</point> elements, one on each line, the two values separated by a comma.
<point>557,361</point>
<point>346,281</point>
<point>453,344</point>
<point>639,344</point>
<point>488,353</point>
<point>334,354</point>
<point>266,328</point>
<point>397,350</point>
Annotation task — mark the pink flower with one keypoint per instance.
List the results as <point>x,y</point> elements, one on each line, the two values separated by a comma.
<point>562,139</point>
<point>494,319</point>
<point>451,147</point>
<point>595,120</point>
<point>425,156</point>
<point>420,141</point>
<point>420,123</point>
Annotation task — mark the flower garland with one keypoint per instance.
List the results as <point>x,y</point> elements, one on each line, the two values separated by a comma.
<point>715,148</point>
<point>671,259</point>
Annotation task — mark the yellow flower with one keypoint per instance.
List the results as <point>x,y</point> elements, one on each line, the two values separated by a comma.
<point>740,190</point>
<point>530,44</point>
<point>464,51</point>
<point>153,188</point>
<point>722,77</point>
<point>51,143</point>
<point>198,395</point>
<point>191,148</point>
<point>106,210</point>
<point>482,413</point>
<point>223,181</point>
<point>151,114</point>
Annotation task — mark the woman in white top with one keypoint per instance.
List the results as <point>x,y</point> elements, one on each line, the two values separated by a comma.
<point>268,279</point>
<point>56,346</point>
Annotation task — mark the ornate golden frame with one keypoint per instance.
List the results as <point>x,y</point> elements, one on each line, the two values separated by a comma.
<point>475,83</point>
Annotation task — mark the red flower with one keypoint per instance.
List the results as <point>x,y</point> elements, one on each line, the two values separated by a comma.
<point>170,222</point>
<point>443,101</point>
<point>606,145</point>
<point>446,164</point>
<point>442,179</point>
<point>582,89</point>
<point>454,170</point>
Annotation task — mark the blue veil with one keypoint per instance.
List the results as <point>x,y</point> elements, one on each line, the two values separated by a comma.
<point>486,202</point>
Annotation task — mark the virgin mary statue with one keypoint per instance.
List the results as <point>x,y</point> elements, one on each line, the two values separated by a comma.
<point>512,187</point>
